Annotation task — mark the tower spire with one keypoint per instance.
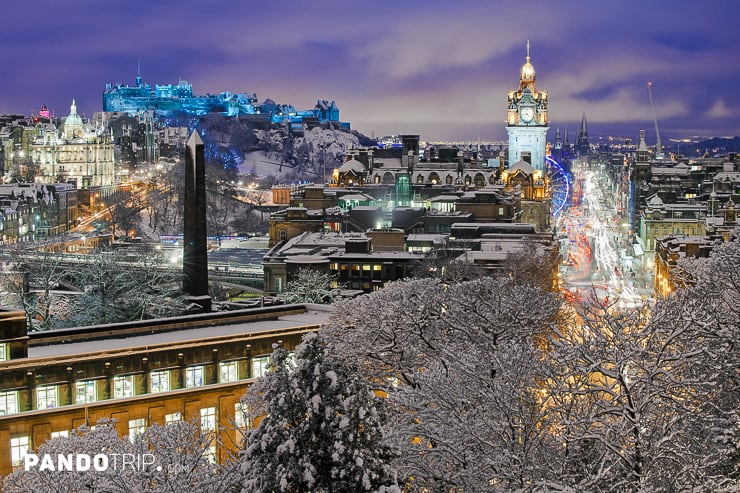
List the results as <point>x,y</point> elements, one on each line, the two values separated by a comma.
<point>582,144</point>
<point>527,76</point>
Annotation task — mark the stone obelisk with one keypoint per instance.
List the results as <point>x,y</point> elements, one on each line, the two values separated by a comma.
<point>195,246</point>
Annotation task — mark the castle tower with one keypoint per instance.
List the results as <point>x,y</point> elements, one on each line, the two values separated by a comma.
<point>527,119</point>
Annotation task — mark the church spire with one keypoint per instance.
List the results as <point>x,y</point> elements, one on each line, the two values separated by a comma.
<point>582,144</point>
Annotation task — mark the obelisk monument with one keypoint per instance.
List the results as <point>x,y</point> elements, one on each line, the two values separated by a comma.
<point>195,246</point>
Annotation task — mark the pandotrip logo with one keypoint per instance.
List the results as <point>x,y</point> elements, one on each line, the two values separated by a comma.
<point>85,462</point>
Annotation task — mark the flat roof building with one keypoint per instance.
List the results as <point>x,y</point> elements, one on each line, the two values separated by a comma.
<point>141,373</point>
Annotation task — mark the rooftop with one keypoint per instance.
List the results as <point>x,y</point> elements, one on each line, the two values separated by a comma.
<point>210,328</point>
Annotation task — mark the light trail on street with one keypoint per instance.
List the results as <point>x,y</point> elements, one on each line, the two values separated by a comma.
<point>594,265</point>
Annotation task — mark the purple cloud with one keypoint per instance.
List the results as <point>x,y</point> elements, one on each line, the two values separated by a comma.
<point>436,68</point>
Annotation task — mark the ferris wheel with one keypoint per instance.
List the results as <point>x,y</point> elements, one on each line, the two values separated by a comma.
<point>558,182</point>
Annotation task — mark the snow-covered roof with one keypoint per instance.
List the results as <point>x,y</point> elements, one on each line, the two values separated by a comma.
<point>444,198</point>
<point>356,196</point>
<point>654,201</point>
<point>314,315</point>
<point>306,259</point>
<point>353,166</point>
<point>426,237</point>
<point>524,166</point>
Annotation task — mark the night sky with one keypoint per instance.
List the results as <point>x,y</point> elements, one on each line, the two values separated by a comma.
<point>438,68</point>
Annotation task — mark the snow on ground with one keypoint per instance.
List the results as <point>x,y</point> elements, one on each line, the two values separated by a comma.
<point>325,147</point>
<point>261,164</point>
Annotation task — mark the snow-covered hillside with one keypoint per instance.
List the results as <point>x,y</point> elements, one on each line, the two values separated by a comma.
<point>283,154</point>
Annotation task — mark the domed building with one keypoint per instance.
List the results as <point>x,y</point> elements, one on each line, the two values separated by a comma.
<point>78,153</point>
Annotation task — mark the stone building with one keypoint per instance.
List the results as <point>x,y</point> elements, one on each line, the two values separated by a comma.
<point>659,219</point>
<point>78,153</point>
<point>669,250</point>
<point>142,373</point>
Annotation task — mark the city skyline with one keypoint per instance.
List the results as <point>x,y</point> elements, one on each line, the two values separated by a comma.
<point>435,68</point>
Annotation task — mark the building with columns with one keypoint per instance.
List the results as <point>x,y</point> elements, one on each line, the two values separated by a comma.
<point>78,153</point>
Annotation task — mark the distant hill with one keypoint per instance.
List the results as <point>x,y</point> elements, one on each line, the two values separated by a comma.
<point>713,146</point>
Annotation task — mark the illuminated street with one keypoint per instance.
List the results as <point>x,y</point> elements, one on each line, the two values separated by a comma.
<point>595,247</point>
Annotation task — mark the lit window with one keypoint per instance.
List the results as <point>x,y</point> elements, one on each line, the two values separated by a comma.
<point>193,376</point>
<point>136,427</point>
<point>241,418</point>
<point>365,266</point>
<point>123,386</point>
<point>46,397</point>
<point>172,418</point>
<point>228,372</point>
<point>85,391</point>
<point>18,448</point>
<point>210,454</point>
<point>208,419</point>
<point>377,267</point>
<point>4,353</point>
<point>160,381</point>
<point>8,402</point>
<point>259,366</point>
<point>61,433</point>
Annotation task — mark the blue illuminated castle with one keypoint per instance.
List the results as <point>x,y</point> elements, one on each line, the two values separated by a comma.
<point>168,98</point>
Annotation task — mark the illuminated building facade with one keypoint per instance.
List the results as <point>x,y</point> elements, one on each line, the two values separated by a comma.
<point>164,370</point>
<point>80,153</point>
<point>527,120</point>
<point>669,250</point>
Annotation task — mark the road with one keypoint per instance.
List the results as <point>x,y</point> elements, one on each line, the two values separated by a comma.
<point>595,248</point>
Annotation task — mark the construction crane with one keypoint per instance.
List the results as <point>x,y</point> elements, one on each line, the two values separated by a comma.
<point>658,146</point>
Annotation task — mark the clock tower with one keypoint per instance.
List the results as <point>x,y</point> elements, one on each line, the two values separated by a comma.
<point>527,120</point>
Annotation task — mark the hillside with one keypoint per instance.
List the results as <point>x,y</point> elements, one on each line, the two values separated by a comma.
<point>280,152</point>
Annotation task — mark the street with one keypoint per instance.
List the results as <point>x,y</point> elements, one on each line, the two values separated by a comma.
<point>595,248</point>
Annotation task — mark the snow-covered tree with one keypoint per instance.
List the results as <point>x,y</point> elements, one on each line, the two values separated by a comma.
<point>164,459</point>
<point>709,308</point>
<point>116,292</point>
<point>311,286</point>
<point>628,395</point>
<point>322,429</point>
<point>28,281</point>
<point>460,367</point>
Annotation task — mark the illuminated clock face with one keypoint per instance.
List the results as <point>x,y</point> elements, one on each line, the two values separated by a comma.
<point>527,114</point>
